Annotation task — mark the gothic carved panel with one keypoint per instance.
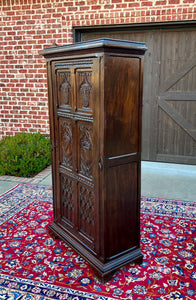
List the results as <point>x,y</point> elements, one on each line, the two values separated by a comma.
<point>86,149</point>
<point>66,136</point>
<point>87,211</point>
<point>64,89</point>
<point>84,90</point>
<point>67,196</point>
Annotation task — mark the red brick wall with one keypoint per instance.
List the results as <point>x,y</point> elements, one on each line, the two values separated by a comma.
<point>29,25</point>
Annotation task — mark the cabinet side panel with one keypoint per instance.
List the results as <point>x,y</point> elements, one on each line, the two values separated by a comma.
<point>121,105</point>
<point>122,209</point>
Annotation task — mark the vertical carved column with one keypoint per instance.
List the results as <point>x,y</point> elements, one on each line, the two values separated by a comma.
<point>86,148</point>
<point>66,136</point>
<point>67,188</point>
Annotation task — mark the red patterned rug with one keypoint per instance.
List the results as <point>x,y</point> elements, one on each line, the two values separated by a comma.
<point>35,266</point>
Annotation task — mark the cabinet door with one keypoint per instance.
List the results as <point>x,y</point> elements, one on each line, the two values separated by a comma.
<point>75,96</point>
<point>86,195</point>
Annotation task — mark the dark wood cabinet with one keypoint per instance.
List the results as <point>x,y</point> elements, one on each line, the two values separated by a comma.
<point>95,104</point>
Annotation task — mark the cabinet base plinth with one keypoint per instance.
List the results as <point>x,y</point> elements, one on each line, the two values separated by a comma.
<point>103,271</point>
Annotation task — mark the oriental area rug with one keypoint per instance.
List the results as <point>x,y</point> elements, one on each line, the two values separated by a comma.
<point>35,266</point>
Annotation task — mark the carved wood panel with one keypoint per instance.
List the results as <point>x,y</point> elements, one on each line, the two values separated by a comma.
<point>67,197</point>
<point>66,138</point>
<point>86,211</point>
<point>84,90</point>
<point>85,145</point>
<point>74,110</point>
<point>64,86</point>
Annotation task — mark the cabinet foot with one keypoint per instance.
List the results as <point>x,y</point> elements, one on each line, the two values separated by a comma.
<point>103,278</point>
<point>103,271</point>
<point>52,233</point>
<point>107,276</point>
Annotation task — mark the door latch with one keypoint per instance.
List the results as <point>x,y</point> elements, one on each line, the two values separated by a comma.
<point>101,162</point>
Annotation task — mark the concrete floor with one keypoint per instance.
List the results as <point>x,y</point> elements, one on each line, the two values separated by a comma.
<point>170,181</point>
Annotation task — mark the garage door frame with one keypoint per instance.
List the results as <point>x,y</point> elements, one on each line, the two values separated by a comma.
<point>79,30</point>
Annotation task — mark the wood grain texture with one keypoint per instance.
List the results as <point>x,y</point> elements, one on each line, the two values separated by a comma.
<point>121,105</point>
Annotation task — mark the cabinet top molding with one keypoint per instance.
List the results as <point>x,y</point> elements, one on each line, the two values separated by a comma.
<point>102,43</point>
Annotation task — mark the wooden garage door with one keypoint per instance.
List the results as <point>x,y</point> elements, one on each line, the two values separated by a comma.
<point>169,96</point>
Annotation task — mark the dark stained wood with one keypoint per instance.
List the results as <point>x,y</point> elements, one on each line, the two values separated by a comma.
<point>123,232</point>
<point>169,102</point>
<point>95,100</point>
<point>122,116</point>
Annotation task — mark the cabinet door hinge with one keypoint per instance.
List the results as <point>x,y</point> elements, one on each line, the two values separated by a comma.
<point>101,163</point>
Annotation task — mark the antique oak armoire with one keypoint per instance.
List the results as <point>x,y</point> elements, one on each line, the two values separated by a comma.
<point>95,106</point>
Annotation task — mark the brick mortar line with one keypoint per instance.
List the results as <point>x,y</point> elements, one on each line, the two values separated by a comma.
<point>56,5</point>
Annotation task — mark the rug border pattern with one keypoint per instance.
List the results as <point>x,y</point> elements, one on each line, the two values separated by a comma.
<point>5,280</point>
